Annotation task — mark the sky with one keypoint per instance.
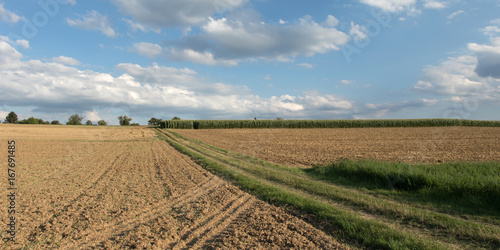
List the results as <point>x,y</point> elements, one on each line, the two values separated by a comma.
<point>246,59</point>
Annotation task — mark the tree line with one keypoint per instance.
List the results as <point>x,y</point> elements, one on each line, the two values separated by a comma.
<point>77,120</point>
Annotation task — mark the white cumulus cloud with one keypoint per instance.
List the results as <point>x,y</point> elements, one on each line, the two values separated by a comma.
<point>173,13</point>
<point>93,20</point>
<point>92,116</point>
<point>135,26</point>
<point>23,43</point>
<point>227,41</point>
<point>8,16</point>
<point>53,87</point>
<point>358,32</point>
<point>66,60</point>
<point>147,49</point>
<point>391,5</point>
<point>433,4</point>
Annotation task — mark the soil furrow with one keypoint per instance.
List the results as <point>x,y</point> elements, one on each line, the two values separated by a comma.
<point>215,226</point>
<point>116,188</point>
<point>198,226</point>
<point>80,199</point>
<point>141,217</point>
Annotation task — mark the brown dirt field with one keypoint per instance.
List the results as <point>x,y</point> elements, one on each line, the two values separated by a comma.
<point>305,147</point>
<point>111,187</point>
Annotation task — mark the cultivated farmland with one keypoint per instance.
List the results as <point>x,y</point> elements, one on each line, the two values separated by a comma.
<point>122,187</point>
<point>305,147</point>
<point>373,203</point>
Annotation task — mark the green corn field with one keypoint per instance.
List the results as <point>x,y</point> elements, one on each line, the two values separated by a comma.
<point>229,124</point>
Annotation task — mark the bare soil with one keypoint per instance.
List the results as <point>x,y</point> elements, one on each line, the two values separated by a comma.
<point>305,147</point>
<point>111,187</point>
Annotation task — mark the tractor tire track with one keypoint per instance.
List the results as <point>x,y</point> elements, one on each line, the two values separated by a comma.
<point>142,217</point>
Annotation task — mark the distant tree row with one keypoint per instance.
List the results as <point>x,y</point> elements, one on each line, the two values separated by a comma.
<point>73,120</point>
<point>12,118</point>
<point>77,120</point>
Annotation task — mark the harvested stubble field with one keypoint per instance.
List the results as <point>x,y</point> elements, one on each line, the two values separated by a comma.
<point>306,147</point>
<point>115,187</point>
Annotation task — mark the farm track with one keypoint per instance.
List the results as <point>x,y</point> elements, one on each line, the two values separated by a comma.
<point>391,213</point>
<point>134,191</point>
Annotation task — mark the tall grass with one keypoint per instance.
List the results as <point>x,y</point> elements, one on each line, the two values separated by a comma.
<point>474,187</point>
<point>229,124</point>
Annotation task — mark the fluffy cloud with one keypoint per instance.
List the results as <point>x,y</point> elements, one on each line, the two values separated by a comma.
<point>8,16</point>
<point>94,21</point>
<point>54,87</point>
<point>66,60</point>
<point>358,32</point>
<point>226,41</point>
<point>23,43</point>
<point>330,21</point>
<point>433,4</point>
<point>391,5</point>
<point>405,5</point>
<point>488,57</point>
<point>172,13</point>
<point>147,49</point>
<point>455,76</point>
<point>477,73</point>
<point>9,57</point>
<point>134,26</point>
<point>92,116</point>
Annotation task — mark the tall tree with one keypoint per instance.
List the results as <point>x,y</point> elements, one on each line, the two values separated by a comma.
<point>89,123</point>
<point>124,120</point>
<point>102,123</point>
<point>154,121</point>
<point>75,120</point>
<point>11,118</point>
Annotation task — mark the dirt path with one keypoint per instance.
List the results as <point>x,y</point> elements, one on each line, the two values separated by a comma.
<point>133,191</point>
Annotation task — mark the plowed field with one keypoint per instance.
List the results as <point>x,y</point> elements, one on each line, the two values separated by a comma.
<point>113,187</point>
<point>305,147</point>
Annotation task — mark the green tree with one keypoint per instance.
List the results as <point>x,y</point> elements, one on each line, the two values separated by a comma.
<point>55,122</point>
<point>75,120</point>
<point>176,118</point>
<point>102,123</point>
<point>32,120</point>
<point>154,121</point>
<point>89,123</point>
<point>124,120</point>
<point>11,118</point>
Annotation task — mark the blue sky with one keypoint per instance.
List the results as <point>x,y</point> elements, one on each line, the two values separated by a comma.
<point>240,59</point>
